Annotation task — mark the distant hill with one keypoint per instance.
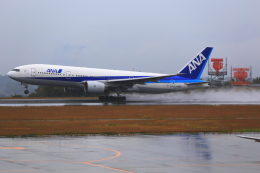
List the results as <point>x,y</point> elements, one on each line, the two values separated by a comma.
<point>9,87</point>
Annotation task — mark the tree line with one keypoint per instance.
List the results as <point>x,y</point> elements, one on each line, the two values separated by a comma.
<point>256,80</point>
<point>50,91</point>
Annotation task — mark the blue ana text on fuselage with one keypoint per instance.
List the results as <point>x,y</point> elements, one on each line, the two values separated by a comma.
<point>54,70</point>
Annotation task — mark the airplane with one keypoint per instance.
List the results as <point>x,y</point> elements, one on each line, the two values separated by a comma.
<point>104,81</point>
<point>250,137</point>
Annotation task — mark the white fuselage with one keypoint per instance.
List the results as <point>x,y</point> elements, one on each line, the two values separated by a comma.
<point>68,76</point>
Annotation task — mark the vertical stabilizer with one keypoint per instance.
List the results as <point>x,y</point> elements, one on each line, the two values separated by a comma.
<point>195,67</point>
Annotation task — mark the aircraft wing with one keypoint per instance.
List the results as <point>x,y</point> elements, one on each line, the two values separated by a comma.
<point>250,137</point>
<point>141,80</point>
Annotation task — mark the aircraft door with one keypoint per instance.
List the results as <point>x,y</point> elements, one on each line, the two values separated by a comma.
<point>33,72</point>
<point>68,75</point>
<point>172,83</point>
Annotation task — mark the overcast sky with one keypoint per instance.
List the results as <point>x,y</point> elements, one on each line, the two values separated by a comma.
<point>147,35</point>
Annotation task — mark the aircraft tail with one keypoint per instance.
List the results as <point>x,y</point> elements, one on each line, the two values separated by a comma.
<point>195,67</point>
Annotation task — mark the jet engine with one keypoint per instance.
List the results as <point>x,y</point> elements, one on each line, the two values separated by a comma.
<point>94,87</point>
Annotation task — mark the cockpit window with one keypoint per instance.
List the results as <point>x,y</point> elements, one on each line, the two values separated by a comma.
<point>17,70</point>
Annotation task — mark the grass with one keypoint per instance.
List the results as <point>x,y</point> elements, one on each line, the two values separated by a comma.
<point>81,120</point>
<point>248,130</point>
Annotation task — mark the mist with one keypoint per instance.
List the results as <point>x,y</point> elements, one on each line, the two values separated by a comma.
<point>243,94</point>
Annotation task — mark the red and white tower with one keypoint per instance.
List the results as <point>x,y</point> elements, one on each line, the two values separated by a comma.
<point>220,70</point>
<point>240,77</point>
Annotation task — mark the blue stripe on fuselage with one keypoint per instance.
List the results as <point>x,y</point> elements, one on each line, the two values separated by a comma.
<point>175,79</point>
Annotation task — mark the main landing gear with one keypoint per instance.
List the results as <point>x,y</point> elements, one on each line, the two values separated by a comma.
<point>112,98</point>
<point>119,98</point>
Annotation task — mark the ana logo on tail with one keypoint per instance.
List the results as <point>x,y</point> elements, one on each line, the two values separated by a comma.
<point>196,62</point>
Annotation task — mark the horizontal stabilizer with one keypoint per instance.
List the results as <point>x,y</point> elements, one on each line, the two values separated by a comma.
<point>196,83</point>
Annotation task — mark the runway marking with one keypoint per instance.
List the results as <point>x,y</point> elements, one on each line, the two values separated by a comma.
<point>89,162</point>
<point>86,162</point>
<point>118,154</point>
<point>21,170</point>
<point>217,165</point>
<point>64,162</point>
<point>107,167</point>
<point>14,148</point>
<point>39,161</point>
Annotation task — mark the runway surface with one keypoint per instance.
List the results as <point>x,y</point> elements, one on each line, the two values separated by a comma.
<point>92,102</point>
<point>222,96</point>
<point>200,153</point>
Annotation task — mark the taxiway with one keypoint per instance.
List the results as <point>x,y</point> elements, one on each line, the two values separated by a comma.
<point>139,153</point>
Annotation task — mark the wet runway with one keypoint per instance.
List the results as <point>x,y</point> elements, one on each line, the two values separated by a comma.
<point>235,96</point>
<point>200,153</point>
<point>92,102</point>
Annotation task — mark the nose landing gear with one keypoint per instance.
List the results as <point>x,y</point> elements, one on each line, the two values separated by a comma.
<point>26,87</point>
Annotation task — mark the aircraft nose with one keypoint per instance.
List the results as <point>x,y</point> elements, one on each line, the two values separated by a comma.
<point>9,74</point>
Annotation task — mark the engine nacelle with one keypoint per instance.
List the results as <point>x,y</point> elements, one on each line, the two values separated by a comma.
<point>73,90</point>
<point>94,87</point>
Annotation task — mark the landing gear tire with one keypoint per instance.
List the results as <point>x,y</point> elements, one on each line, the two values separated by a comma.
<point>111,98</point>
<point>26,92</point>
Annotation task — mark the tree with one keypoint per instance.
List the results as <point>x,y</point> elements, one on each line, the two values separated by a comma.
<point>50,91</point>
<point>256,80</point>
